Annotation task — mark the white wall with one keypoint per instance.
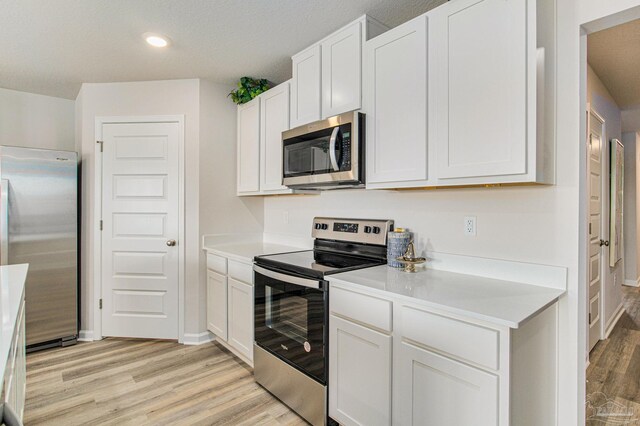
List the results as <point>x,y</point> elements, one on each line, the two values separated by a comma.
<point>221,211</point>
<point>603,103</point>
<point>630,141</point>
<point>210,171</point>
<point>36,121</point>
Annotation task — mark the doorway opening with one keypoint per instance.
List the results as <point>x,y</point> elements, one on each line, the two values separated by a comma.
<point>613,221</point>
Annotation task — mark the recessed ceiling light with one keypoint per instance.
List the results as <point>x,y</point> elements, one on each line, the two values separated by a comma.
<point>156,40</point>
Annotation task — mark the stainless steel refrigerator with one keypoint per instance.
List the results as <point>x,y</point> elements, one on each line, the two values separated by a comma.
<point>39,226</point>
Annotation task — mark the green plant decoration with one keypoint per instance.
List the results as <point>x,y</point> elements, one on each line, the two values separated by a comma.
<point>249,88</point>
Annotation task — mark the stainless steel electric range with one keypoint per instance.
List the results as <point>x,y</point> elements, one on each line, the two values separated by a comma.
<point>292,309</point>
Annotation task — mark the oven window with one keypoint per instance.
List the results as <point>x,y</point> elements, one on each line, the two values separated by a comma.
<point>286,314</point>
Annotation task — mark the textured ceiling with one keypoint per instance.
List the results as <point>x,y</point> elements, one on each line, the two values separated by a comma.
<point>614,54</point>
<point>52,47</point>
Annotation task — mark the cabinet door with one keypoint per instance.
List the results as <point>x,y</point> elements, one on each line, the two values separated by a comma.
<point>217,304</point>
<point>430,389</point>
<point>359,374</point>
<point>396,106</point>
<point>241,317</point>
<point>342,70</point>
<point>274,119</point>
<point>249,147</point>
<point>479,89</point>
<point>305,87</point>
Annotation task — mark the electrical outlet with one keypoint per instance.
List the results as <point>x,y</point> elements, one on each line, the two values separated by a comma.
<point>470,226</point>
<point>285,217</point>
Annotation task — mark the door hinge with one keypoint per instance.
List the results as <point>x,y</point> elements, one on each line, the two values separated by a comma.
<point>100,304</point>
<point>589,229</point>
<point>101,225</point>
<point>589,312</point>
<point>101,145</point>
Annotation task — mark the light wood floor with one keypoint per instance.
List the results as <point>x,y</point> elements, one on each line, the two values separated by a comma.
<point>614,370</point>
<point>138,382</point>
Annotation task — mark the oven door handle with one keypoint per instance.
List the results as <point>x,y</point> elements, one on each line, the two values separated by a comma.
<point>286,278</point>
<point>332,149</point>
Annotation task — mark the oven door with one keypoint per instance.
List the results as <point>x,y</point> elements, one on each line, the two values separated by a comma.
<point>290,315</point>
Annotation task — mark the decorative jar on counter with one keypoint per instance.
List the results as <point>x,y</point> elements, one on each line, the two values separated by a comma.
<point>397,242</point>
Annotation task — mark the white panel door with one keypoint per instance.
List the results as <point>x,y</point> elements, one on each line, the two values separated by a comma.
<point>248,137</point>
<point>217,304</point>
<point>305,87</point>
<point>479,66</point>
<point>274,119</point>
<point>342,71</point>
<point>594,170</point>
<point>359,374</point>
<point>430,389</point>
<point>396,105</point>
<point>140,205</point>
<point>240,297</point>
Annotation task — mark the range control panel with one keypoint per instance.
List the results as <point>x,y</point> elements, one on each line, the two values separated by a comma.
<point>367,231</point>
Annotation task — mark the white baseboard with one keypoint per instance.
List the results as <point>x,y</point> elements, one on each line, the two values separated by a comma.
<point>197,338</point>
<point>632,283</point>
<point>614,321</point>
<point>85,336</point>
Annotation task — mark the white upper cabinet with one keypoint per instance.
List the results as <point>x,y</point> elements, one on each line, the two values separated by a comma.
<point>260,125</point>
<point>327,77</point>
<point>274,119</point>
<point>483,94</point>
<point>248,172</point>
<point>305,87</point>
<point>462,95</point>
<point>342,71</point>
<point>395,81</point>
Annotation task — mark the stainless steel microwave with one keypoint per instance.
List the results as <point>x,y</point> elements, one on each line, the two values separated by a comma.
<point>326,154</point>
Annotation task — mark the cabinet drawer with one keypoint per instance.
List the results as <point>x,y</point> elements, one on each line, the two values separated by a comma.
<point>360,307</point>
<point>241,271</point>
<point>462,339</point>
<point>217,263</point>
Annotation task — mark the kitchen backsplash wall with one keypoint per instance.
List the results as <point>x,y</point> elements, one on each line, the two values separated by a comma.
<point>505,218</point>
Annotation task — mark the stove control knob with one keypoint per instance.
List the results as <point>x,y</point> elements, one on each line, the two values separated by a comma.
<point>367,229</point>
<point>376,230</point>
<point>318,226</point>
<point>325,226</point>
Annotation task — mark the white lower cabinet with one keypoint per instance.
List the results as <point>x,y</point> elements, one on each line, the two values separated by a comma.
<point>240,312</point>
<point>217,304</point>
<point>359,374</point>
<point>431,389</point>
<point>230,304</point>
<point>429,367</point>
<point>15,377</point>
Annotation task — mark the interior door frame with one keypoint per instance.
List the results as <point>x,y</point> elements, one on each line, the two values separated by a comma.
<point>97,242</point>
<point>604,229</point>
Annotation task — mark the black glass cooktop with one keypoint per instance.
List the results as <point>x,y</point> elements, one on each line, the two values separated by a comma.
<point>316,263</point>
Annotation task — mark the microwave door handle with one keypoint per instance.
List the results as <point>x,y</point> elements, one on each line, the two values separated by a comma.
<point>286,278</point>
<point>4,222</point>
<point>332,149</point>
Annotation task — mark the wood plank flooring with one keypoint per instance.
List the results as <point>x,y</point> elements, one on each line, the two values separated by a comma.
<point>140,382</point>
<point>613,375</point>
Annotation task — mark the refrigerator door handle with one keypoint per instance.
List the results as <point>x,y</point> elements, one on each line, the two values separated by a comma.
<point>4,222</point>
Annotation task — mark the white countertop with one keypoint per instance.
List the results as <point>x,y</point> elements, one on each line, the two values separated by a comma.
<point>246,251</point>
<point>12,279</point>
<point>500,302</point>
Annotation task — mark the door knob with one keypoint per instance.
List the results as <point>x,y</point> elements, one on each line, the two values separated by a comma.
<point>602,243</point>
<point>171,243</point>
